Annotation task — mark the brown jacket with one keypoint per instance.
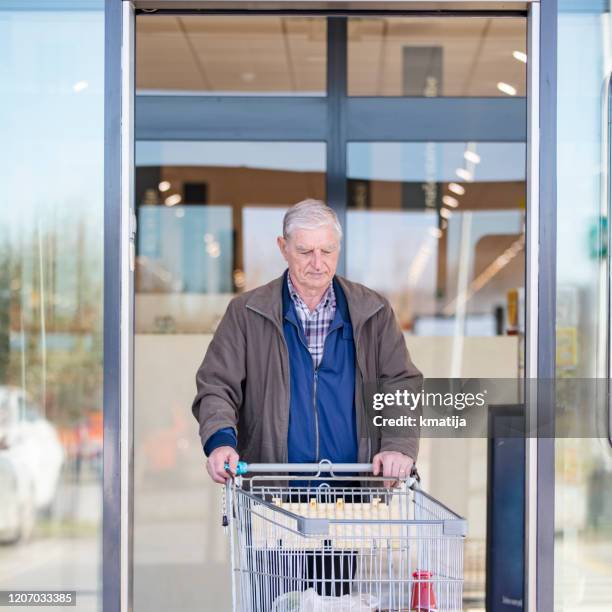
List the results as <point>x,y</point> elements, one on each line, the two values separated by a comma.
<point>243,380</point>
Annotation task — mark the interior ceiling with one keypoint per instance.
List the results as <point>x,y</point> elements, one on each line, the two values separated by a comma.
<point>274,54</point>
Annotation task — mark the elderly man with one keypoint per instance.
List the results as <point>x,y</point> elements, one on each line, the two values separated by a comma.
<point>285,376</point>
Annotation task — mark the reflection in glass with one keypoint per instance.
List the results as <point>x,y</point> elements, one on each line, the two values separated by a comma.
<point>433,57</point>
<point>185,249</point>
<point>231,55</point>
<point>403,261</point>
<point>262,260</point>
<point>208,217</point>
<point>445,224</point>
<point>51,301</point>
<point>583,474</point>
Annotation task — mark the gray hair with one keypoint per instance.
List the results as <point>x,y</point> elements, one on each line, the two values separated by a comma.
<point>310,214</point>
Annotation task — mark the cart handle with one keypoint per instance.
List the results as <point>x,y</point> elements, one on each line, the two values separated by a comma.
<point>324,466</point>
<point>277,468</point>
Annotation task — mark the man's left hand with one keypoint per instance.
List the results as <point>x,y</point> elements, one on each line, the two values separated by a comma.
<point>392,464</point>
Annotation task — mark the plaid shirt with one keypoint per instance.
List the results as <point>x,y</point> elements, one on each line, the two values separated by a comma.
<point>317,322</point>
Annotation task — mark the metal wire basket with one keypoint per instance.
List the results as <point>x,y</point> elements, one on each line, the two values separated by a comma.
<point>330,545</point>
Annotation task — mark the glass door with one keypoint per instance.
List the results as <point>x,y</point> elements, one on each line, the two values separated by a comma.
<point>416,130</point>
<point>583,465</point>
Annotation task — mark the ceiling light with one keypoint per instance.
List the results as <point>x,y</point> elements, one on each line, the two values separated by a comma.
<point>435,232</point>
<point>239,278</point>
<point>464,174</point>
<point>520,56</point>
<point>164,186</point>
<point>80,86</point>
<point>248,77</point>
<point>448,200</point>
<point>445,213</point>
<point>213,249</point>
<point>472,157</point>
<point>456,188</point>
<point>172,200</point>
<point>506,88</point>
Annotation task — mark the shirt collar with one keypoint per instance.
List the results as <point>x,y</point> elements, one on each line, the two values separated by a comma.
<point>328,299</point>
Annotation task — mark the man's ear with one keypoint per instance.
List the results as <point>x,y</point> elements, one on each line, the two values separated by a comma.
<point>282,245</point>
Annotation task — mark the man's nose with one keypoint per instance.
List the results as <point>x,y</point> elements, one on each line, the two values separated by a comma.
<point>317,259</point>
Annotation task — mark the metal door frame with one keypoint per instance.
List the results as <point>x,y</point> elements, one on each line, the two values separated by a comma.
<point>119,232</point>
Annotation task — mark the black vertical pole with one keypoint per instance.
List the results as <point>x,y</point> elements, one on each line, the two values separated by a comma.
<point>336,122</point>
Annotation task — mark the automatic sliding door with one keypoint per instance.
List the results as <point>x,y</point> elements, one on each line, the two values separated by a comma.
<point>236,119</point>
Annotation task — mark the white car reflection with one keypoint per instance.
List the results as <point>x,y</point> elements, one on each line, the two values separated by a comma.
<point>31,458</point>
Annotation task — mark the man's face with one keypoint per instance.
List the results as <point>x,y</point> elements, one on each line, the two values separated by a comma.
<point>312,256</point>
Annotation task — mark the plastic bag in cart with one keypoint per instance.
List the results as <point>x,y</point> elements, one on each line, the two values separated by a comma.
<point>310,601</point>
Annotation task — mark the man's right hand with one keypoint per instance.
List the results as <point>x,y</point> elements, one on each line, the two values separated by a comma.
<point>217,460</point>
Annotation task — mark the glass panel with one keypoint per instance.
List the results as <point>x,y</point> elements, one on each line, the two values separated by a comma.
<point>431,57</point>
<point>422,205</point>
<point>208,217</point>
<point>51,271</point>
<point>231,55</point>
<point>583,482</point>
<point>438,228</point>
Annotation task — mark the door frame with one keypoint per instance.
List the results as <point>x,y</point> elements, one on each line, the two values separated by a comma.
<point>119,252</point>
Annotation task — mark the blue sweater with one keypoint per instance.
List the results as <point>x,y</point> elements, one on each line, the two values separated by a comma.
<point>322,421</point>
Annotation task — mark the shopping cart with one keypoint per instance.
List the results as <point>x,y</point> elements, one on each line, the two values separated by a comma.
<point>328,545</point>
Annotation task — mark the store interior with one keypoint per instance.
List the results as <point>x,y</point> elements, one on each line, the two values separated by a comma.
<point>437,226</point>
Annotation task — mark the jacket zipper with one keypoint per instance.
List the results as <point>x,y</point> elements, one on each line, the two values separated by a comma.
<point>315,410</point>
<point>316,372</point>
<point>316,414</point>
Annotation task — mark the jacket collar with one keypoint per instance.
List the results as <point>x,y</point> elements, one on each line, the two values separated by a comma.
<point>362,302</point>
<point>341,315</point>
